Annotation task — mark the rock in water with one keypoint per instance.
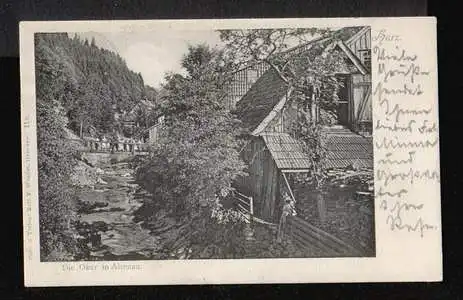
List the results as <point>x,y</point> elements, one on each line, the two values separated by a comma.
<point>99,171</point>
<point>83,175</point>
<point>101,181</point>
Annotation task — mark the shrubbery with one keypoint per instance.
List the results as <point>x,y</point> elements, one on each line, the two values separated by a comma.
<point>56,159</point>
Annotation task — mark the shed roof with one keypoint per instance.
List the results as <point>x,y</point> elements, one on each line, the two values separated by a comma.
<point>259,101</point>
<point>286,151</point>
<point>346,148</point>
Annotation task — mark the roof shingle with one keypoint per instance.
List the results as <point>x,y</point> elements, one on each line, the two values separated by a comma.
<point>286,151</point>
<point>346,148</point>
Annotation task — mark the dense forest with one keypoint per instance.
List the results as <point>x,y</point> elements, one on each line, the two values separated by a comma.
<point>92,84</point>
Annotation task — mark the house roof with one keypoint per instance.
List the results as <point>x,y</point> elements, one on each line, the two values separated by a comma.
<point>346,148</point>
<point>270,89</point>
<point>286,151</point>
<point>142,105</point>
<point>259,101</point>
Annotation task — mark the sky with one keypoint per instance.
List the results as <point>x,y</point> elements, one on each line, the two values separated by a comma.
<point>152,53</point>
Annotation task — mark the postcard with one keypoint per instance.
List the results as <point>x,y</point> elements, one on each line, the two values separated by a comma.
<point>164,152</point>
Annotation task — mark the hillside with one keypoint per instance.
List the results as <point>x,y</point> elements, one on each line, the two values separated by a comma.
<point>92,84</point>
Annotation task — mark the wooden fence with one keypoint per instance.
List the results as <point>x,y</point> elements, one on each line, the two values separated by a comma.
<point>244,205</point>
<point>97,146</point>
<point>305,235</point>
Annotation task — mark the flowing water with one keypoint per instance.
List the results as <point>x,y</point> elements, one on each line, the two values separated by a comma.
<point>106,222</point>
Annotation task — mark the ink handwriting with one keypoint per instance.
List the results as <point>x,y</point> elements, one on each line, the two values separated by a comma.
<point>405,71</point>
<point>401,55</point>
<point>407,133</point>
<point>411,176</point>
<point>384,36</point>
<point>420,226</point>
<point>397,111</point>
<point>395,143</point>
<point>390,161</point>
<point>406,89</point>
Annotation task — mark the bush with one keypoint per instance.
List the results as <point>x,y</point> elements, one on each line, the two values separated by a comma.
<point>56,159</point>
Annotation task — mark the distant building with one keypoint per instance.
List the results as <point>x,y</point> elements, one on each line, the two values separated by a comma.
<point>151,134</point>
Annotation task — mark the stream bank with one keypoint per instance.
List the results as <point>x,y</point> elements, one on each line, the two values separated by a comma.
<point>105,226</point>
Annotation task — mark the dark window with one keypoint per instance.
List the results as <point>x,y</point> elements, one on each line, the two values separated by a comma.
<point>365,57</point>
<point>342,109</point>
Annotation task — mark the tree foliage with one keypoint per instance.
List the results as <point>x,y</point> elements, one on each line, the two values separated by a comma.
<point>93,85</point>
<point>196,158</point>
<point>55,158</point>
<point>55,161</point>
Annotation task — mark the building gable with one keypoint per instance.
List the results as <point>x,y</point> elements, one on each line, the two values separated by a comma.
<point>265,99</point>
<point>260,100</point>
<point>360,44</point>
<point>352,58</point>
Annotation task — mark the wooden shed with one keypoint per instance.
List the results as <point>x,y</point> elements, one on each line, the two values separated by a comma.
<point>269,157</point>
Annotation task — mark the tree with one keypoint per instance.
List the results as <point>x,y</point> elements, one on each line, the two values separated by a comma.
<point>78,87</point>
<point>196,158</point>
<point>309,72</point>
<point>96,83</point>
<point>151,94</point>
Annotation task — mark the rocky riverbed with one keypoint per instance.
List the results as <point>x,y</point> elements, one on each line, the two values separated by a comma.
<point>106,226</point>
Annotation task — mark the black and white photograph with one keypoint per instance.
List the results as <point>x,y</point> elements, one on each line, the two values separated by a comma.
<point>205,144</point>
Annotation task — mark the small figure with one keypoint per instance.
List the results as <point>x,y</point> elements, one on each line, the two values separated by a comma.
<point>288,209</point>
<point>114,139</point>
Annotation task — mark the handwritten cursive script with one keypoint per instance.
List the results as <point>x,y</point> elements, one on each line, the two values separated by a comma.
<point>405,131</point>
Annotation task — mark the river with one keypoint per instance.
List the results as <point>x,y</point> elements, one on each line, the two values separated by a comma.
<point>106,225</point>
